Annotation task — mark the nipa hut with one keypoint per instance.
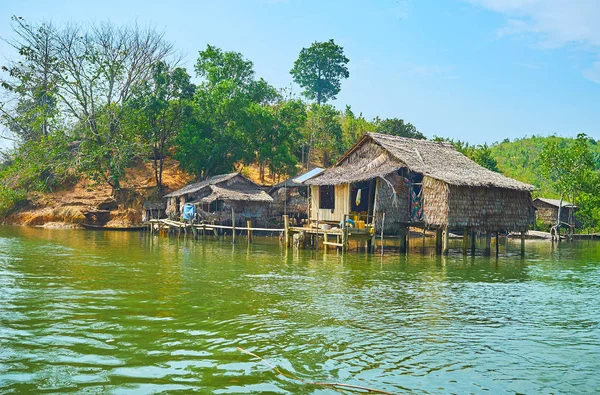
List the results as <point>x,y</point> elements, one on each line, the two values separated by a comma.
<point>290,197</point>
<point>216,197</point>
<point>418,183</point>
<point>546,212</point>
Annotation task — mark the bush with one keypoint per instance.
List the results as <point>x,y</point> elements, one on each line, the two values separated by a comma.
<point>11,200</point>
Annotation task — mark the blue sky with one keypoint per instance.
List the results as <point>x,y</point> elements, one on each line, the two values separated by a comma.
<point>475,70</point>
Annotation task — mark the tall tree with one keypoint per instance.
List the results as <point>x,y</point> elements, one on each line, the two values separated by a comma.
<point>99,69</point>
<point>353,127</point>
<point>568,166</point>
<point>160,107</point>
<point>222,133</point>
<point>320,70</point>
<point>30,108</point>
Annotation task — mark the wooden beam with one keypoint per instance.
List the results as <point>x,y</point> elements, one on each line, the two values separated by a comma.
<point>445,235</point>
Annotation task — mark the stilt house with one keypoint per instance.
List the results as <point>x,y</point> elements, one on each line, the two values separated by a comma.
<point>546,212</point>
<point>291,196</point>
<point>215,198</point>
<point>417,183</point>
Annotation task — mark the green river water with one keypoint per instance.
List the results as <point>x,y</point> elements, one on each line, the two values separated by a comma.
<point>130,313</point>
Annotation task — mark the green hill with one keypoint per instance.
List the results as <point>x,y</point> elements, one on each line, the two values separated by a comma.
<point>518,159</point>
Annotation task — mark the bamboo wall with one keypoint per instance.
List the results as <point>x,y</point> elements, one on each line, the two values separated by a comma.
<point>394,202</point>
<point>435,202</point>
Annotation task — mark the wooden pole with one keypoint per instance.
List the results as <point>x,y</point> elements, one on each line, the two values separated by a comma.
<point>249,226</point>
<point>438,241</point>
<point>445,233</point>
<point>473,243</point>
<point>232,226</point>
<point>286,230</point>
<point>465,240</point>
<point>345,234</point>
<point>488,243</point>
<point>522,243</point>
<point>497,244</point>
<point>382,227</point>
<point>403,238</point>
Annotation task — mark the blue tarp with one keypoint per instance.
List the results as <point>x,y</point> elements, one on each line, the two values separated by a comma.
<point>188,211</point>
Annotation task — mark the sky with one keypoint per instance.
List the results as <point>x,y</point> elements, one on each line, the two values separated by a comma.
<point>476,70</point>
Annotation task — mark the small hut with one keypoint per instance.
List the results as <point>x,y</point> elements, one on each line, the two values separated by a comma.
<point>154,210</point>
<point>216,197</point>
<point>290,197</point>
<point>418,183</point>
<point>546,212</point>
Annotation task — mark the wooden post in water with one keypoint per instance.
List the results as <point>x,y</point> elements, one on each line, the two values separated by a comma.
<point>232,226</point>
<point>522,243</point>
<point>497,244</point>
<point>473,243</point>
<point>249,226</point>
<point>286,230</point>
<point>403,229</point>
<point>445,234</point>
<point>382,227</point>
<point>345,234</point>
<point>438,241</point>
<point>488,243</point>
<point>465,240</point>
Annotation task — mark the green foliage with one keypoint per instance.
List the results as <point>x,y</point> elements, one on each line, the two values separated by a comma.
<point>397,127</point>
<point>480,154</point>
<point>354,127</point>
<point>320,69</point>
<point>11,199</point>
<point>159,109</point>
<point>322,134</point>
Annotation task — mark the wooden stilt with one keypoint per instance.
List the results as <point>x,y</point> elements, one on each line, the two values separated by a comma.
<point>403,238</point>
<point>497,244</point>
<point>382,227</point>
<point>473,242</point>
<point>286,230</point>
<point>249,226</point>
<point>488,243</point>
<point>522,243</point>
<point>438,241</point>
<point>232,226</point>
<point>445,234</point>
<point>465,240</point>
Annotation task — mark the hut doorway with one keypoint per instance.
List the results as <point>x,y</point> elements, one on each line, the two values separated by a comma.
<point>362,199</point>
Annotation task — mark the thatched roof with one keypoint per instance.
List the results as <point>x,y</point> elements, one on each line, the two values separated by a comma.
<point>236,192</point>
<point>232,187</point>
<point>554,202</point>
<point>191,188</point>
<point>438,160</point>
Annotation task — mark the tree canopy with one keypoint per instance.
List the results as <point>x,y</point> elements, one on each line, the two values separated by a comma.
<point>320,70</point>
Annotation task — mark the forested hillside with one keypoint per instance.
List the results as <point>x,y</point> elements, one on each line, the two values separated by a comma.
<point>520,159</point>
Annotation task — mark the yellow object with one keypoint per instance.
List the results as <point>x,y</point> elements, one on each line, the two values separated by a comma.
<point>360,224</point>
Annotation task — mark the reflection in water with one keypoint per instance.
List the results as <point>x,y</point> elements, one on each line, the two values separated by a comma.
<point>133,313</point>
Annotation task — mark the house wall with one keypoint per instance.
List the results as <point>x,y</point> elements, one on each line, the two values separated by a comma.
<point>289,200</point>
<point>547,214</point>
<point>489,209</point>
<point>342,204</point>
<point>393,200</point>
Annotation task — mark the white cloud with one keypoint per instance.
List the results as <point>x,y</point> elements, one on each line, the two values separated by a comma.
<point>553,24</point>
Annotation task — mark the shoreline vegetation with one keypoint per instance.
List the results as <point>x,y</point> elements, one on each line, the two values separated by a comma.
<point>103,118</point>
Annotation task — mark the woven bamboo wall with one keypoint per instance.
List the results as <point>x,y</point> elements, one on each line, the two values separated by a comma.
<point>435,202</point>
<point>393,202</point>
<point>489,209</point>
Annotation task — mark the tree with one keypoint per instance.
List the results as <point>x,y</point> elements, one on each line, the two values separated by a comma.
<point>31,82</point>
<point>397,127</point>
<point>568,166</point>
<point>322,134</point>
<point>98,71</point>
<point>353,127</point>
<point>320,69</point>
<point>221,133</point>
<point>160,107</point>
